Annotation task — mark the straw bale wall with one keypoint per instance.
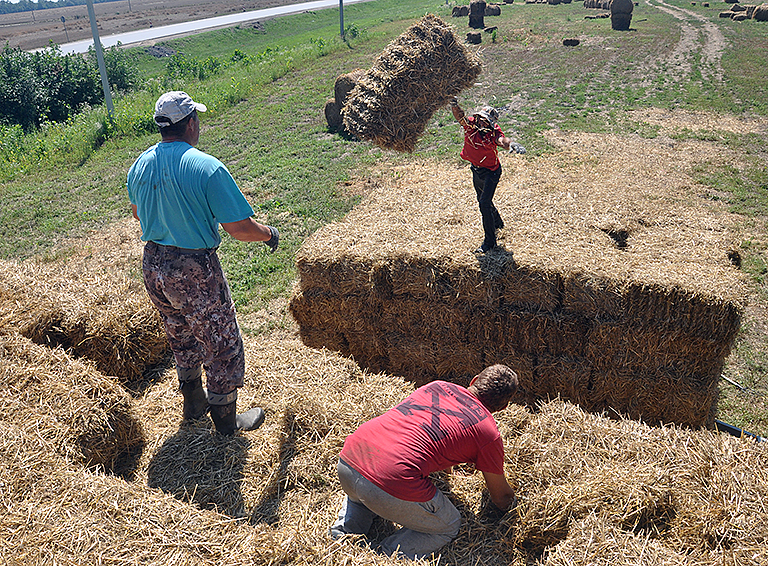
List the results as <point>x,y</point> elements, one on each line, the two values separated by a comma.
<point>415,75</point>
<point>84,415</point>
<point>637,325</point>
<point>96,312</point>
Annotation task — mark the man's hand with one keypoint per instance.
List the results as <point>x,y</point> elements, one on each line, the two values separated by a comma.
<point>274,240</point>
<point>502,494</point>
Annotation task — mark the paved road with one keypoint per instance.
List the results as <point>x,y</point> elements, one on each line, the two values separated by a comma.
<point>199,25</point>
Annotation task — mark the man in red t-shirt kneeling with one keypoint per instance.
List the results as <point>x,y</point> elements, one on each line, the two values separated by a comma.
<point>385,464</point>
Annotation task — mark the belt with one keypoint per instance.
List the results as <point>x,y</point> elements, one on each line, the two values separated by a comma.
<point>184,251</point>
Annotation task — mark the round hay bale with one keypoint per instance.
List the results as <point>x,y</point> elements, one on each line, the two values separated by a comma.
<point>740,17</point>
<point>738,8</point>
<point>572,42</point>
<point>344,85</point>
<point>620,22</point>
<point>621,7</point>
<point>474,37</point>
<point>493,10</point>
<point>761,13</point>
<point>456,12</point>
<point>727,14</point>
<point>491,29</point>
<point>332,112</point>
<point>477,14</point>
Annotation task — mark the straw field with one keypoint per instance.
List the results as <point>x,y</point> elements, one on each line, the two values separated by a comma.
<point>614,286</point>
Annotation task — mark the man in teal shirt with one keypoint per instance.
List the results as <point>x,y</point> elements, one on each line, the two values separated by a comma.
<point>181,195</point>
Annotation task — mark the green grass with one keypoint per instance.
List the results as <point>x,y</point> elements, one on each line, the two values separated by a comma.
<point>265,122</point>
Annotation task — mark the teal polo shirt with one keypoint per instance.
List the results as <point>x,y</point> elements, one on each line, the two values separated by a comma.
<point>182,195</point>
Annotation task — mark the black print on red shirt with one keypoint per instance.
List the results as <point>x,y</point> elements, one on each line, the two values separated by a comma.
<point>469,416</point>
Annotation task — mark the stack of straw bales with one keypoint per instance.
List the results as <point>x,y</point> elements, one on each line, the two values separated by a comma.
<point>606,290</point>
<point>418,73</point>
<point>92,304</point>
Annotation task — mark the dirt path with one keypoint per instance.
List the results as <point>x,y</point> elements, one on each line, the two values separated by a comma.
<point>697,34</point>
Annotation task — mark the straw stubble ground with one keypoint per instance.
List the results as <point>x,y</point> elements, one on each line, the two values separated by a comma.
<point>591,490</point>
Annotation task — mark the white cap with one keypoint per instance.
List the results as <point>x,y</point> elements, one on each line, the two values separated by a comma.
<point>175,106</point>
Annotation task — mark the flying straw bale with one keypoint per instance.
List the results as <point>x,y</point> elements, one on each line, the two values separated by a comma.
<point>84,414</point>
<point>96,311</point>
<point>606,290</point>
<point>416,74</point>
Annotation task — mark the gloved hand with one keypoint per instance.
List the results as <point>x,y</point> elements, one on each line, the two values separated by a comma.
<point>516,148</point>
<point>274,240</point>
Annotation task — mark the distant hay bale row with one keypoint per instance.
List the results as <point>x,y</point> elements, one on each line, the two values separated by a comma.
<point>639,324</point>
<point>417,73</point>
<point>85,415</point>
<point>741,12</point>
<point>102,316</point>
<point>599,4</point>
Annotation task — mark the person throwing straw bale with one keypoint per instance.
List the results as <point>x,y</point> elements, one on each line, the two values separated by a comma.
<point>180,196</point>
<point>385,464</point>
<point>482,138</point>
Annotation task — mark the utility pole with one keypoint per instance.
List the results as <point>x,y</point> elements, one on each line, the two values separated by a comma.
<point>63,21</point>
<point>341,18</point>
<point>100,59</point>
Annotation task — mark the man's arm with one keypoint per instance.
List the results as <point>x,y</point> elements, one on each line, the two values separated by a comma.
<point>504,142</point>
<point>247,230</point>
<point>458,113</point>
<point>135,211</point>
<point>502,494</point>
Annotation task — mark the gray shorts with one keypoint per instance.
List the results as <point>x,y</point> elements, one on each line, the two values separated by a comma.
<point>191,293</point>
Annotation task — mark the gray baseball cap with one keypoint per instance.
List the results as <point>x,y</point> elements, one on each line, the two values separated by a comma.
<point>175,106</point>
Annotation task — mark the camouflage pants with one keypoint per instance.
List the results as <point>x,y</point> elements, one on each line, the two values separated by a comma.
<point>192,295</point>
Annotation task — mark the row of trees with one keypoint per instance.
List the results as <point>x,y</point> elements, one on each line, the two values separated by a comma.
<point>28,6</point>
<point>48,86</point>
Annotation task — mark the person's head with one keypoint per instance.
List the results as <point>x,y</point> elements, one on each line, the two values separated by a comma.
<point>494,387</point>
<point>176,115</point>
<point>486,117</point>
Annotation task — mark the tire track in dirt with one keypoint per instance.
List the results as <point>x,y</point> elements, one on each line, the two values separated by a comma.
<point>705,38</point>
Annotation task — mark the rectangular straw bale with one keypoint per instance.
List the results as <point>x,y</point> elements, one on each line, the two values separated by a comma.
<point>640,348</point>
<point>570,377</point>
<point>416,74</point>
<point>344,275</point>
<point>89,412</point>
<point>592,296</point>
<point>653,396</point>
<point>676,309</point>
<point>532,289</point>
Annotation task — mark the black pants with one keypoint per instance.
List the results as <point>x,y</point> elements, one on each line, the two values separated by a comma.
<point>485,182</point>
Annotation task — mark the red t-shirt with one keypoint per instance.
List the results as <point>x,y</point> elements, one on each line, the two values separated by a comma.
<point>439,425</point>
<point>480,148</point>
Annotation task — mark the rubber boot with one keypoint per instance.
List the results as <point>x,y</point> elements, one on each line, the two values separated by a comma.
<point>227,421</point>
<point>195,397</point>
